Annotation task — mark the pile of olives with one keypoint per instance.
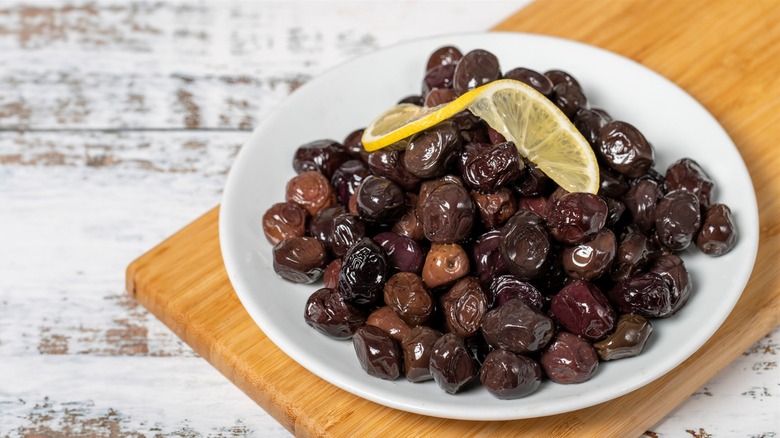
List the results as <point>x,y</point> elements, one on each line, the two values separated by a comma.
<point>455,259</point>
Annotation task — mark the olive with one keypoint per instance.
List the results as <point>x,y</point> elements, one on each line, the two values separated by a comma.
<point>646,294</point>
<point>331,275</point>
<point>677,219</point>
<point>628,339</point>
<point>561,77</point>
<point>525,244</point>
<point>508,287</point>
<point>444,264</point>
<point>321,225</point>
<point>409,224</point>
<point>407,295</point>
<point>403,253</point>
<point>476,68</point>
<point>536,80</point>
<point>536,204</point>
<point>417,347</point>
<point>718,233</point>
<point>328,313</point>
<point>377,352</point>
<point>347,231</point>
<point>532,181</point>
<point>632,253</point>
<point>517,327</point>
<point>569,359</point>
<point>300,259</point>
<point>444,56</point>
<point>284,220</point>
<point>438,77</point>
<point>439,96</point>
<point>492,166</point>
<point>486,253</point>
<point>364,271</point>
<point>414,99</point>
<point>430,153</point>
<point>385,318</point>
<point>575,217</point>
<point>451,363</point>
<point>312,191</point>
<point>569,98</point>
<point>611,183</point>
<point>672,269</point>
<point>616,209</point>
<point>686,174</point>
<point>624,149</point>
<point>464,306</point>
<point>582,309</point>
<point>589,122</point>
<point>380,200</point>
<point>495,208</point>
<point>447,214</point>
<point>641,201</point>
<point>353,144</point>
<point>347,178</point>
<point>323,156</point>
<point>590,259</point>
<point>389,163</point>
<point>507,375</point>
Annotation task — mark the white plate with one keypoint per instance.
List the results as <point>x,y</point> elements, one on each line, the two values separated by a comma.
<point>349,96</point>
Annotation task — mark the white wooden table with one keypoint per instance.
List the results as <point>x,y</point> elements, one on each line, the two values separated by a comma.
<point>118,123</point>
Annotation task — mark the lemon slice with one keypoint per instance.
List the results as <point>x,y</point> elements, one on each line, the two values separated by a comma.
<point>538,128</point>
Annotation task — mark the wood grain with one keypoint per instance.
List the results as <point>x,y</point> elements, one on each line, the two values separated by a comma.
<point>725,56</point>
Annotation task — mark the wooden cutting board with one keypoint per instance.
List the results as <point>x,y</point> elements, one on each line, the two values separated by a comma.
<point>724,53</point>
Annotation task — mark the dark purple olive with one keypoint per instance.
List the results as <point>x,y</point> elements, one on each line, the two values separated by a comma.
<point>324,156</point>
<point>377,352</point>
<point>589,122</point>
<point>353,144</point>
<point>632,253</point>
<point>464,306</point>
<point>672,269</point>
<point>417,347</point>
<point>427,187</point>
<point>492,167</point>
<point>641,201</point>
<point>328,313</point>
<point>576,217</point>
<point>495,208</point>
<point>616,210</point>
<point>569,359</point>
<point>561,77</point>
<point>389,163</point>
<point>569,98</point>
<point>532,181</point>
<point>677,219</point>
<point>321,225</point>
<point>611,183</point>
<point>536,204</point>
<point>628,339</point>
<point>448,214</point>
<point>403,253</point>
<point>486,254</point>
<point>625,149</point>
<point>508,287</point>
<point>438,77</point>
<point>507,375</point>
<point>517,327</point>
<point>431,152</point>
<point>284,220</point>
<point>407,295</point>
<point>300,259</point>
<point>347,231</point>
<point>476,68</point>
<point>718,233</point>
<point>364,272</point>
<point>590,259</point>
<point>553,277</point>
<point>444,56</point>
<point>452,364</point>
<point>686,174</point>
<point>494,136</point>
<point>439,96</point>
<point>582,309</point>
<point>380,200</point>
<point>347,178</point>
<point>645,294</point>
<point>536,80</point>
<point>525,244</point>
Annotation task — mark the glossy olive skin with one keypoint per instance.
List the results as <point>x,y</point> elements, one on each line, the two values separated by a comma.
<point>439,96</point>
<point>532,181</point>
<point>508,376</point>
<point>476,68</point>
<point>300,259</point>
<point>589,122</point>
<point>590,259</point>
<point>508,287</point>
<point>417,347</point>
<point>576,217</point>
<point>321,225</point>
<point>561,77</point>
<point>442,56</point>
<point>628,339</point>
<point>284,220</point>
<point>409,224</point>
<point>464,306</point>
<point>569,98</point>
<point>686,174</point>
<point>536,80</point>
<point>430,153</point>
<point>624,149</point>
<point>486,254</point>
<point>641,201</point>
<point>389,163</point>
<point>611,183</point>
<point>452,364</point>
<point>677,219</point>
<point>386,319</point>
<point>616,211</point>
<point>328,313</point>
<point>718,234</point>
<point>582,309</point>
<point>525,244</point>
<point>448,214</point>
<point>407,295</point>
<point>672,269</point>
<point>330,278</point>
<point>364,271</point>
<point>323,156</point>
<point>633,252</point>
<point>492,166</point>
<point>645,294</point>
<point>445,263</point>
<point>569,359</point>
<point>347,178</point>
<point>517,327</point>
<point>312,191</point>
<point>377,352</point>
<point>380,200</point>
<point>438,77</point>
<point>353,144</point>
<point>403,253</point>
<point>495,208</point>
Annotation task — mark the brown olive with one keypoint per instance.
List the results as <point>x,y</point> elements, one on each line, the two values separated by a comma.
<point>677,219</point>
<point>443,56</point>
<point>407,295</point>
<point>582,309</point>
<point>628,339</point>
<point>464,306</point>
<point>625,149</point>
<point>331,275</point>
<point>495,208</point>
<point>447,214</point>
<point>409,224</point>
<point>686,174</point>
<point>718,233</point>
<point>590,259</point>
<point>525,245</point>
<point>312,191</point>
<point>417,347</point>
<point>517,327</point>
<point>507,375</point>
<point>377,352</point>
<point>452,363</point>
<point>569,359</point>
<point>328,313</point>
<point>300,259</point>
<point>284,220</point>
<point>429,153</point>
<point>389,322</point>
<point>444,264</point>
<point>476,68</point>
